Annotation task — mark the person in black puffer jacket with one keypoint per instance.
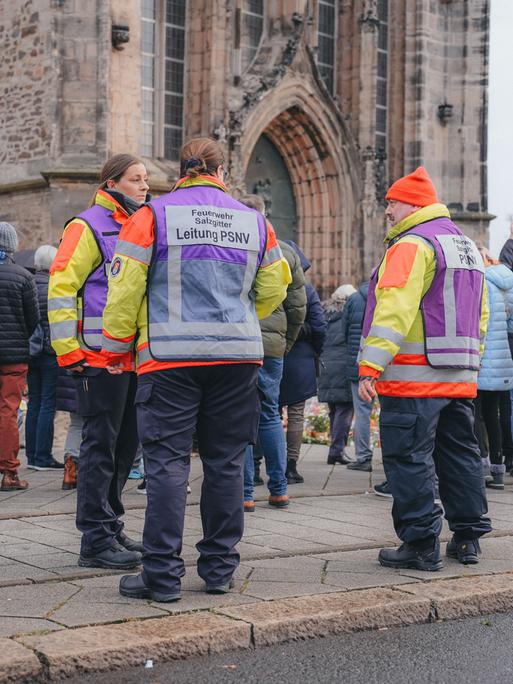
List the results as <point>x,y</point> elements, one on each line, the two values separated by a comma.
<point>334,385</point>
<point>42,377</point>
<point>19,314</point>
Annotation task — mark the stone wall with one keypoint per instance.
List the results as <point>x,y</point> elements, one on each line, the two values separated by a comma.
<point>29,84</point>
<point>71,100</point>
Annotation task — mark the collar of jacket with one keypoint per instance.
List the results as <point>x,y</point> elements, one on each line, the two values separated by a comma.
<point>432,211</point>
<point>187,182</point>
<point>108,202</point>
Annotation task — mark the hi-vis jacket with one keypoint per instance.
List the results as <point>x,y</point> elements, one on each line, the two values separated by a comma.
<point>77,290</point>
<point>192,273</point>
<point>426,315</point>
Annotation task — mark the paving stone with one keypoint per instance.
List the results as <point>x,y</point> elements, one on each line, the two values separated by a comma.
<point>277,621</point>
<point>17,663</point>
<point>467,596</point>
<point>277,590</point>
<point>19,573</point>
<point>110,647</point>
<point>36,600</point>
<point>361,580</point>
<point>10,627</point>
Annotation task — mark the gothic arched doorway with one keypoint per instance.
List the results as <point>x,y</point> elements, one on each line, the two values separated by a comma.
<point>267,176</point>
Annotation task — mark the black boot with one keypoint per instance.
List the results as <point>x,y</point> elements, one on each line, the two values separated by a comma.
<point>466,551</point>
<point>257,480</point>
<point>414,557</point>
<point>293,477</point>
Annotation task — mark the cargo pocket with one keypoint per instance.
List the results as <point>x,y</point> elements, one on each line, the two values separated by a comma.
<point>398,432</point>
<point>148,422</point>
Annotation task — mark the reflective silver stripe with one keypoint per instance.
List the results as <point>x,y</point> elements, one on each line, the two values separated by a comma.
<point>216,349</point>
<point>452,342</point>
<point>124,248</point>
<point>454,359</point>
<point>62,303</point>
<point>143,355</point>
<point>449,296</point>
<point>115,345</point>
<point>62,330</point>
<point>271,256</point>
<point>91,340</point>
<point>376,355</point>
<point>406,373</point>
<point>386,333</point>
<point>93,323</point>
<point>412,348</point>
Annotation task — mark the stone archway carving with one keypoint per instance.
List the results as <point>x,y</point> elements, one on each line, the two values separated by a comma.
<point>323,168</point>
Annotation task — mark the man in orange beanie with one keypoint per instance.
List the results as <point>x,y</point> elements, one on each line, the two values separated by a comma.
<point>424,324</point>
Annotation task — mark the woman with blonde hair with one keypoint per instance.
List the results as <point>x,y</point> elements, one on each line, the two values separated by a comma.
<point>77,296</point>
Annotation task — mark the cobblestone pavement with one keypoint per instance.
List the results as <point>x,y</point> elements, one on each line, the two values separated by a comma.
<point>326,541</point>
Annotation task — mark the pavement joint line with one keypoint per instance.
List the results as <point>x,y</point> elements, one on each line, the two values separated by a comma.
<point>48,615</point>
<point>100,572</point>
<point>142,506</point>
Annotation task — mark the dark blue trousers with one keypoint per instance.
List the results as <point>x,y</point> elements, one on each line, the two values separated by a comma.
<point>109,444</point>
<point>221,404</point>
<point>421,436</point>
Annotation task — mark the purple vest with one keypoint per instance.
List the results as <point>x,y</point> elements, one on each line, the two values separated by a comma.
<point>451,308</point>
<point>94,291</point>
<point>201,303</point>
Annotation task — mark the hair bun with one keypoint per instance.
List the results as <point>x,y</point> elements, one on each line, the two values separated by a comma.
<point>195,163</point>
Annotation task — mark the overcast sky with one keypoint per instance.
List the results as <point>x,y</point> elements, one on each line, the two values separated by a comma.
<point>500,122</point>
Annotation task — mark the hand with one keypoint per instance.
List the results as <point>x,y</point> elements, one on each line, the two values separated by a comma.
<point>366,389</point>
<point>115,370</point>
<point>79,369</point>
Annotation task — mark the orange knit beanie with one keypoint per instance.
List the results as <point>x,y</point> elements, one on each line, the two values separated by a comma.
<point>417,188</point>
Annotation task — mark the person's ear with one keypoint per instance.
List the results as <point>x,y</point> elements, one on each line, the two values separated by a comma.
<point>110,183</point>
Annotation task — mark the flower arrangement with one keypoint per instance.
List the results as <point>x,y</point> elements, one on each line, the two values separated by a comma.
<point>317,424</point>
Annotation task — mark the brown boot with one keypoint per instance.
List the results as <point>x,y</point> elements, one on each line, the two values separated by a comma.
<point>11,482</point>
<point>278,501</point>
<point>70,473</point>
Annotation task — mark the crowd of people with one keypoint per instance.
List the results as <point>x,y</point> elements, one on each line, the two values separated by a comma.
<point>163,324</point>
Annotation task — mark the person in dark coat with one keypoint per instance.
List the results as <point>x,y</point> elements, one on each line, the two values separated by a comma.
<point>299,379</point>
<point>506,255</point>
<point>19,315</point>
<point>42,376</point>
<point>352,324</point>
<point>334,384</point>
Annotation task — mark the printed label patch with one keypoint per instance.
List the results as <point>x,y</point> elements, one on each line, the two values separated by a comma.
<point>460,252</point>
<point>115,267</point>
<point>207,225</point>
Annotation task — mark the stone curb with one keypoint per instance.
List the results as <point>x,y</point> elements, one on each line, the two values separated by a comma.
<point>51,656</point>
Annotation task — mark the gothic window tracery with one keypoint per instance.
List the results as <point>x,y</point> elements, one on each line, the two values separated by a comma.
<point>382,79</point>
<point>326,41</point>
<point>163,47</point>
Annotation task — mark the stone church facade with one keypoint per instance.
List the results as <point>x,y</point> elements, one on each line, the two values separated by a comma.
<point>318,104</point>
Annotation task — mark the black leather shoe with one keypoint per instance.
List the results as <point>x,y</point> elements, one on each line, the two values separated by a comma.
<point>466,551</point>
<point>128,543</point>
<point>343,459</point>
<point>219,588</point>
<point>411,557</point>
<point>116,557</point>
<point>134,587</point>
<point>364,466</point>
